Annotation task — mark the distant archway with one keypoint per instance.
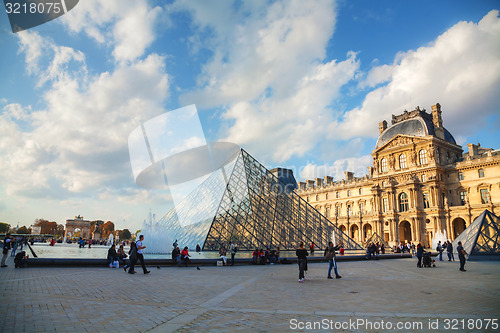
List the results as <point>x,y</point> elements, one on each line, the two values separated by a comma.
<point>343,229</point>
<point>78,223</point>
<point>355,232</point>
<point>405,231</point>
<point>367,231</point>
<point>458,226</point>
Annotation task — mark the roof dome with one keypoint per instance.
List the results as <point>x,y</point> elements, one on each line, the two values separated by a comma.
<point>420,124</point>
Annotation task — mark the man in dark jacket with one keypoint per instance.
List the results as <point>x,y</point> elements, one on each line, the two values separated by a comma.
<point>420,253</point>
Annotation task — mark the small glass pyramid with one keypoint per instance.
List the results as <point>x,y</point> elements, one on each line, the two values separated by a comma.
<point>481,238</point>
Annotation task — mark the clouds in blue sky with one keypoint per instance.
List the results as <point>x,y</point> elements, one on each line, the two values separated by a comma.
<point>262,74</point>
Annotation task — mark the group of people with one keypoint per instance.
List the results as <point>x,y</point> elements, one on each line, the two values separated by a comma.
<point>402,248</point>
<point>374,249</point>
<point>11,243</point>
<point>223,253</point>
<point>261,257</point>
<point>181,257</point>
<point>134,254</point>
<point>329,253</point>
<point>440,248</point>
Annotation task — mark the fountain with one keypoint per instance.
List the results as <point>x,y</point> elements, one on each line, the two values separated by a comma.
<point>110,240</point>
<point>156,239</point>
<point>439,236</point>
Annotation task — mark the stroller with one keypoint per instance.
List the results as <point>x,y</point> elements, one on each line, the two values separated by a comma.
<point>427,261</point>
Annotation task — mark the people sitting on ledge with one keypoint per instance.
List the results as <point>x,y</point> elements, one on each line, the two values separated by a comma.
<point>185,256</point>
<point>176,255</point>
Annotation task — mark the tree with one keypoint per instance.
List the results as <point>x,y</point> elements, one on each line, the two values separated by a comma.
<point>125,234</point>
<point>46,226</point>
<point>22,230</point>
<point>4,227</point>
<point>107,228</point>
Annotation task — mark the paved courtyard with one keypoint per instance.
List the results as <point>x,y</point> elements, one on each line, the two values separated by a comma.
<point>252,298</point>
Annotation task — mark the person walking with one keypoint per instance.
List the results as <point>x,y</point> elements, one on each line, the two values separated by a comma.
<point>449,250</point>
<point>330,255</point>
<point>439,247</point>
<point>302,254</point>
<point>461,256</point>
<point>232,250</point>
<point>140,246</point>
<point>6,248</point>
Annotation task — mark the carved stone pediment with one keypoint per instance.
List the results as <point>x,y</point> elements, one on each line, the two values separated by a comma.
<point>400,140</point>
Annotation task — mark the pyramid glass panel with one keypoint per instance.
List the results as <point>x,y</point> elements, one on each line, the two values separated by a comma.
<point>481,237</point>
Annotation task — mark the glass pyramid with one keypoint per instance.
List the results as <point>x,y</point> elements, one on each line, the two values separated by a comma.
<point>375,238</point>
<point>481,237</point>
<point>246,204</point>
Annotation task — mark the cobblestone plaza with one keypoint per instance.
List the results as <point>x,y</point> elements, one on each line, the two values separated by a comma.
<point>251,298</point>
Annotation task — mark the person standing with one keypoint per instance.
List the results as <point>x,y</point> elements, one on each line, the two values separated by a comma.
<point>232,250</point>
<point>132,257</point>
<point>302,254</point>
<point>439,247</point>
<point>330,255</point>
<point>312,248</point>
<point>449,250</point>
<point>420,253</point>
<point>6,248</point>
<point>140,246</point>
<point>461,256</point>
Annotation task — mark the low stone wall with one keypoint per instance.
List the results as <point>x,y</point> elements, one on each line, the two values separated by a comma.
<point>78,262</point>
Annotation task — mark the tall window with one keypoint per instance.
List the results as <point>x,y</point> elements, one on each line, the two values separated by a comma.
<point>337,195</point>
<point>426,200</point>
<point>424,178</point>
<point>307,199</point>
<point>348,193</point>
<point>422,157</point>
<point>481,173</point>
<point>385,205</point>
<point>448,157</point>
<point>402,161</point>
<point>317,197</point>
<point>349,210</point>
<point>485,198</point>
<point>360,191</point>
<point>438,155</point>
<point>383,165</point>
<point>460,176</point>
<point>327,211</point>
<point>403,202</point>
<point>361,207</point>
<point>326,196</point>
<point>337,210</point>
<point>463,197</point>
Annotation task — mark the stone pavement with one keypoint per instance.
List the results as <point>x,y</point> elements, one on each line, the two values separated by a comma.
<point>252,298</point>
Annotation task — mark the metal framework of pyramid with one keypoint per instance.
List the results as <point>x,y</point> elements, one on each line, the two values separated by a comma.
<point>375,238</point>
<point>246,204</point>
<point>482,237</point>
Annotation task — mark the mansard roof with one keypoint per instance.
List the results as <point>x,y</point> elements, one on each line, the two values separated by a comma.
<point>414,123</point>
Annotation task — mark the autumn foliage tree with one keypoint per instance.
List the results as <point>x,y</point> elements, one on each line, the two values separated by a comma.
<point>51,228</point>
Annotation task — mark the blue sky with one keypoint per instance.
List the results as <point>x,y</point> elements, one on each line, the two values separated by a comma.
<point>298,84</point>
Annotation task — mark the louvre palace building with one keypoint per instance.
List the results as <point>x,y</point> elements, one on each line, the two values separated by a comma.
<point>421,184</point>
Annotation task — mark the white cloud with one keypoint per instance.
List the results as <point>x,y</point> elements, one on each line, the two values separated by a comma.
<point>269,73</point>
<point>460,70</point>
<point>126,25</point>
<point>78,143</point>
<point>358,165</point>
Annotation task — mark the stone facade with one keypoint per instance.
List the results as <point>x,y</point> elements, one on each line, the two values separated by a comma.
<point>421,183</point>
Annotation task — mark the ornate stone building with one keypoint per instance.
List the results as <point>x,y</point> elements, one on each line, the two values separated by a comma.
<point>421,183</point>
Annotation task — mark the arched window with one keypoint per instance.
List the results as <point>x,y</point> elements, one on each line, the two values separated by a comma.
<point>383,165</point>
<point>348,193</point>
<point>349,210</point>
<point>403,202</point>
<point>337,195</point>
<point>422,157</point>
<point>402,161</point>
<point>317,197</point>
<point>360,191</point>
<point>326,196</point>
<point>327,211</point>
<point>307,198</point>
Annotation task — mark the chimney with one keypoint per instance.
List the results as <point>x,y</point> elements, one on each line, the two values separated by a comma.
<point>319,182</point>
<point>473,149</point>
<point>382,126</point>
<point>328,180</point>
<point>349,175</point>
<point>437,121</point>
